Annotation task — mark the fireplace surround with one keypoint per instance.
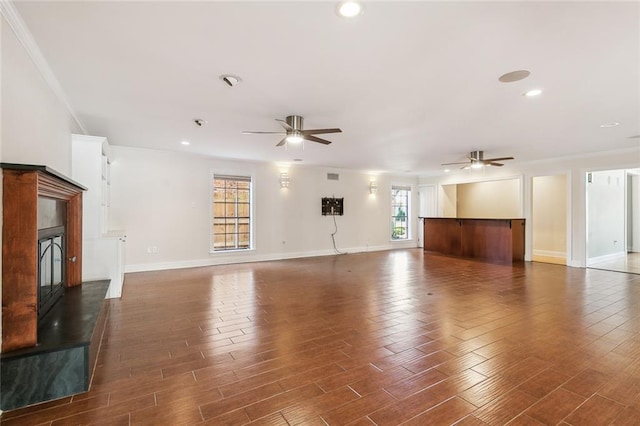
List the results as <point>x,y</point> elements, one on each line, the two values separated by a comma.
<point>52,325</point>
<point>25,188</point>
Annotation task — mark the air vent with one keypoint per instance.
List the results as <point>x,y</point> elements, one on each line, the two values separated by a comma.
<point>333,176</point>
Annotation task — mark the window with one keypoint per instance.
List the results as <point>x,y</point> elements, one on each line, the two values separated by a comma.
<point>231,213</point>
<point>400,196</point>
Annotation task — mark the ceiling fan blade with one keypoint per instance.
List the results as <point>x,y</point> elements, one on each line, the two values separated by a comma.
<point>498,159</point>
<point>320,131</point>
<point>263,133</point>
<point>314,139</point>
<point>284,124</point>
<point>453,164</point>
<point>282,142</point>
<point>491,163</point>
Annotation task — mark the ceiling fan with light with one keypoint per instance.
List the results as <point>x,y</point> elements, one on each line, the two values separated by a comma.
<point>477,160</point>
<point>294,133</point>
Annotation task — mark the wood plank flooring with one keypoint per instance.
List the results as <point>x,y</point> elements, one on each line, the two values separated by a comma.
<point>382,338</point>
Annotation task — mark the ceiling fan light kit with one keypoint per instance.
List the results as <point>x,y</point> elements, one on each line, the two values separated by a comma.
<point>349,9</point>
<point>295,137</point>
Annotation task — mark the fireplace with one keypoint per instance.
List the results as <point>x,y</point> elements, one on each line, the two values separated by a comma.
<point>41,248</point>
<point>49,343</point>
<point>50,268</point>
<point>51,279</point>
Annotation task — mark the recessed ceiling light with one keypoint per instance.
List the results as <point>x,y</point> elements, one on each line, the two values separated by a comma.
<point>230,80</point>
<point>612,124</point>
<point>512,76</point>
<point>532,92</point>
<point>349,9</point>
<point>185,143</point>
<point>447,170</point>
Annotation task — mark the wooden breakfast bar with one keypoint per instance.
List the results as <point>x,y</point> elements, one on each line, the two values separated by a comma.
<point>500,240</point>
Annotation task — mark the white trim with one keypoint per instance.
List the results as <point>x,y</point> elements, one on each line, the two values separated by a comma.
<point>227,260</point>
<point>549,253</point>
<point>460,180</point>
<point>613,256</point>
<point>8,10</point>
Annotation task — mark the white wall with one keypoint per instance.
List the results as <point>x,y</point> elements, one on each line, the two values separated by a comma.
<point>606,213</point>
<point>162,199</point>
<point>36,125</point>
<point>491,199</point>
<point>449,200</point>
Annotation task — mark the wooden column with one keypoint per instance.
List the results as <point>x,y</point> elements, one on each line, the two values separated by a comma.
<point>74,241</point>
<point>22,185</point>
<point>19,260</point>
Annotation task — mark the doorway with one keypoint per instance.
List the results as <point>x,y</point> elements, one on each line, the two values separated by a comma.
<point>613,220</point>
<point>549,219</point>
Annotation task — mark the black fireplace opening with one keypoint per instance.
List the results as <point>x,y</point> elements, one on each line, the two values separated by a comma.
<point>51,268</point>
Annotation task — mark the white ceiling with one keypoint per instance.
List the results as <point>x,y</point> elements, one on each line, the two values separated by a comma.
<point>411,84</point>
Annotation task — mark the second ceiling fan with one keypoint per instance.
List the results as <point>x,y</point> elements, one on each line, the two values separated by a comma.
<point>294,132</point>
<point>477,160</point>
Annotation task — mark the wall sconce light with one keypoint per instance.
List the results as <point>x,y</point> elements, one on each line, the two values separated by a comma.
<point>373,187</point>
<point>284,180</point>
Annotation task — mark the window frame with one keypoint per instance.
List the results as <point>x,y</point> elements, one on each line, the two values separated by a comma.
<point>392,216</point>
<point>239,177</point>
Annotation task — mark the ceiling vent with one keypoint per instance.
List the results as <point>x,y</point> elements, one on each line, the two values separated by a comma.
<point>333,176</point>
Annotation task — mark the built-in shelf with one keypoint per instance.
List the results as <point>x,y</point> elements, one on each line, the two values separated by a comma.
<point>103,251</point>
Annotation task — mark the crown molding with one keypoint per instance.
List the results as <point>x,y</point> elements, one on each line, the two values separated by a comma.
<point>13,18</point>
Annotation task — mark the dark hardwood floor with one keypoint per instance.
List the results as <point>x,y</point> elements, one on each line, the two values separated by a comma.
<point>384,338</point>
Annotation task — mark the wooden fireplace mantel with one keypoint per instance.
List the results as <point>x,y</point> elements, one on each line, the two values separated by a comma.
<point>22,185</point>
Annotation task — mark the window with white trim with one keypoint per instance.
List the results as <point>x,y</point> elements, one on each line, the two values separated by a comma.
<point>400,208</point>
<point>231,211</point>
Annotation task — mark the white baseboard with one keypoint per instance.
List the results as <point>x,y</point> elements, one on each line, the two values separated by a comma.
<point>606,257</point>
<point>549,253</point>
<point>236,257</point>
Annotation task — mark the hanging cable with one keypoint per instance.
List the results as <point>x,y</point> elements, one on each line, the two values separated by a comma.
<point>333,236</point>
